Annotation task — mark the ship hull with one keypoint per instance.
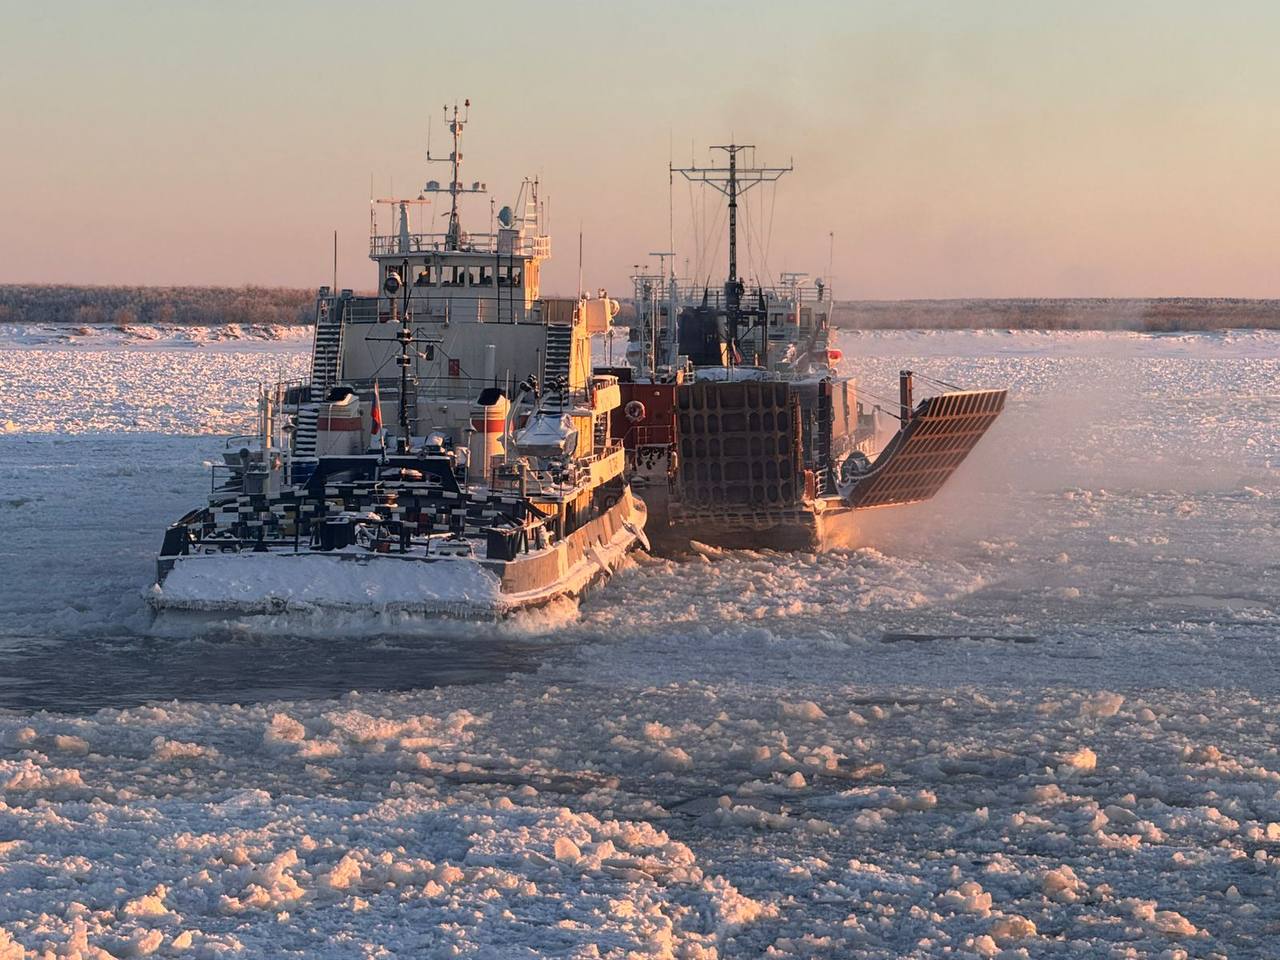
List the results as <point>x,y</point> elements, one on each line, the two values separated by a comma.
<point>462,588</point>
<point>754,464</point>
<point>827,524</point>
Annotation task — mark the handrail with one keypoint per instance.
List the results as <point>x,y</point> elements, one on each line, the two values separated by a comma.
<point>519,245</point>
<point>510,306</point>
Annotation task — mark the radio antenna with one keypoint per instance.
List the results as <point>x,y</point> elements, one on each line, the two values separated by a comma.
<point>458,120</point>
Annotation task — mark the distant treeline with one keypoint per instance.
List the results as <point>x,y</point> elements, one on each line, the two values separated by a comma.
<point>124,306</point>
<point>1162,314</point>
<point>213,306</point>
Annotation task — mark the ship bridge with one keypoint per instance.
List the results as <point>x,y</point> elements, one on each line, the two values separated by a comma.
<point>457,314</point>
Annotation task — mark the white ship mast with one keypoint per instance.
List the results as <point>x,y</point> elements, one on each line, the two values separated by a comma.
<point>453,238</point>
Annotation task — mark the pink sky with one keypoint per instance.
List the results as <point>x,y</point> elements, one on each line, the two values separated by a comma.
<point>954,149</point>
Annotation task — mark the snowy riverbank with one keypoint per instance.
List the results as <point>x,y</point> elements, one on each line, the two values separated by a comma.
<point>1036,716</point>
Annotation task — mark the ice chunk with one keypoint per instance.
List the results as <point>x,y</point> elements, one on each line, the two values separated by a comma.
<point>1010,928</point>
<point>164,749</point>
<point>10,949</point>
<point>1083,760</point>
<point>566,851</point>
<point>149,905</point>
<point>1101,704</point>
<point>283,729</point>
<point>805,710</point>
<point>1063,886</point>
<point>1167,922</point>
<point>968,898</point>
<point>674,759</point>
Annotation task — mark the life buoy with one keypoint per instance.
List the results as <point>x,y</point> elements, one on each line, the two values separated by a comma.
<point>634,411</point>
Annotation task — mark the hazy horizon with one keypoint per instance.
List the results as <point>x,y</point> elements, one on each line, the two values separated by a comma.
<point>956,151</point>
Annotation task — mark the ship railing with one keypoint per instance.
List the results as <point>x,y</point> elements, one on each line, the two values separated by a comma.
<point>653,435</point>
<point>504,305</point>
<point>500,244</point>
<point>689,294</point>
<point>224,477</point>
<point>749,300</point>
<point>597,455</point>
<point>531,480</point>
<point>437,388</point>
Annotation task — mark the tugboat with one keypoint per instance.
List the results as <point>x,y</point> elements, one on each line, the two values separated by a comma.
<point>500,486</point>
<point>739,427</point>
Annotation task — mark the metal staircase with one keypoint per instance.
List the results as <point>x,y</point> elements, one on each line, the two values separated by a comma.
<point>559,349</point>
<point>326,369</point>
<point>326,349</point>
<point>304,435</point>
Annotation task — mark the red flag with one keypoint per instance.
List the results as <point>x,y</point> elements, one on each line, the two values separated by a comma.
<point>377,410</point>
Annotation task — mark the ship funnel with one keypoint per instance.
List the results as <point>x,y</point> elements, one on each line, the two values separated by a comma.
<point>488,422</point>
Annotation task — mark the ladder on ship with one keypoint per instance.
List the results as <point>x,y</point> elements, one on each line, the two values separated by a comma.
<point>326,367</point>
<point>555,365</point>
<point>304,434</point>
<point>326,348</point>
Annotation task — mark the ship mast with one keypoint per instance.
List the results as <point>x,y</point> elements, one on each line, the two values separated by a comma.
<point>453,238</point>
<point>733,181</point>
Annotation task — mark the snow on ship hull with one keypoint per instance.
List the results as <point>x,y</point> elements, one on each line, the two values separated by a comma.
<point>355,580</point>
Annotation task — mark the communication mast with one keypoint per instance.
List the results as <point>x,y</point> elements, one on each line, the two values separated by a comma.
<point>732,181</point>
<point>453,238</point>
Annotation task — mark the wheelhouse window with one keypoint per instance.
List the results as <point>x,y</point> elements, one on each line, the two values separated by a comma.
<point>473,276</point>
<point>485,278</point>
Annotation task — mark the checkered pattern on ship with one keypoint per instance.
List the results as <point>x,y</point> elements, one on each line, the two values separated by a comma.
<point>738,447</point>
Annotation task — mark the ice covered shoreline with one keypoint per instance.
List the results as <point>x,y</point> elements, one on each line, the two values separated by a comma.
<point>1037,716</point>
<point>161,336</point>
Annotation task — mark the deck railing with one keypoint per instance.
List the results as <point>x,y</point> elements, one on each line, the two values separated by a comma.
<point>498,244</point>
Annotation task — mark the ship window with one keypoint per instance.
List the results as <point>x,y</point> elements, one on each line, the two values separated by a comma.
<point>515,276</point>
<point>473,276</point>
<point>453,276</point>
<point>504,276</point>
<point>486,277</point>
<point>426,277</point>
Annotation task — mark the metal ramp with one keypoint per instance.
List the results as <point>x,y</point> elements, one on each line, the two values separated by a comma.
<point>924,453</point>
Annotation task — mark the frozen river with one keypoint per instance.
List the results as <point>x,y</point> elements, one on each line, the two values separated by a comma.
<point>1036,714</point>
